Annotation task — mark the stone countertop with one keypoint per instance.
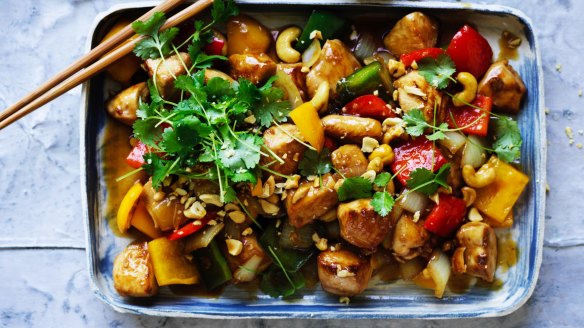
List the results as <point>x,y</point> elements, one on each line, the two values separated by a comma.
<point>43,274</point>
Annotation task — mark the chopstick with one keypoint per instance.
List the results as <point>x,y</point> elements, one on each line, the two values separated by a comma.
<point>78,73</point>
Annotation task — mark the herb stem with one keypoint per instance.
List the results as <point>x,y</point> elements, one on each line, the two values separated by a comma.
<point>271,249</point>
<point>293,137</point>
<point>129,174</point>
<point>274,172</point>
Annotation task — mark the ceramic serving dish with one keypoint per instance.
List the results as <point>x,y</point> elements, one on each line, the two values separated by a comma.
<point>381,300</point>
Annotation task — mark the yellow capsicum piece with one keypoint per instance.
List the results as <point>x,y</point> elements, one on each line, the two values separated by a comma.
<point>308,122</point>
<point>496,200</point>
<point>171,267</point>
<point>127,206</point>
<point>142,221</point>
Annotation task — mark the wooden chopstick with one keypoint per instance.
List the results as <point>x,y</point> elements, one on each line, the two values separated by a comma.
<point>70,77</point>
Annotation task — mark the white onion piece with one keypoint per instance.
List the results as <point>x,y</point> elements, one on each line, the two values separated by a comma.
<point>411,269</point>
<point>454,141</point>
<point>473,153</point>
<point>247,272</point>
<point>396,212</point>
<point>202,238</point>
<point>439,269</point>
<point>311,54</point>
<point>414,201</point>
<point>365,47</point>
<point>285,83</point>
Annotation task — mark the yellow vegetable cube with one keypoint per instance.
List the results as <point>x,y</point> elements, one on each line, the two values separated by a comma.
<point>142,221</point>
<point>308,122</point>
<point>171,267</point>
<point>128,205</point>
<point>497,199</point>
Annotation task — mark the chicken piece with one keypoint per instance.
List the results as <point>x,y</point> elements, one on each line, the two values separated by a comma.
<point>477,253</point>
<point>351,128</point>
<point>251,261</point>
<point>167,213</point>
<point>349,160</point>
<point>254,67</point>
<point>309,202</point>
<point>413,32</point>
<point>298,77</point>
<point>361,225</point>
<point>415,92</point>
<point>124,105</point>
<point>335,62</point>
<point>502,83</point>
<point>166,71</point>
<point>133,272</point>
<point>278,140</point>
<point>343,272</point>
<point>211,73</point>
<point>409,238</point>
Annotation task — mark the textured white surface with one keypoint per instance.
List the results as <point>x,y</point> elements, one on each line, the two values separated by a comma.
<point>42,262</point>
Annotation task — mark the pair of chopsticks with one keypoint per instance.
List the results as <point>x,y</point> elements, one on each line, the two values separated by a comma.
<point>95,61</point>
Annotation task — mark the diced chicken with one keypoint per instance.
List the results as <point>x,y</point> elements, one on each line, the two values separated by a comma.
<point>167,213</point>
<point>335,62</point>
<point>502,83</point>
<point>353,129</point>
<point>166,71</point>
<point>133,272</point>
<point>278,140</point>
<point>477,253</point>
<point>361,225</point>
<point>250,262</point>
<point>409,238</point>
<point>415,92</point>
<point>254,67</point>
<point>298,77</point>
<point>349,160</point>
<point>343,272</point>
<point>124,105</point>
<point>414,31</point>
<point>309,202</point>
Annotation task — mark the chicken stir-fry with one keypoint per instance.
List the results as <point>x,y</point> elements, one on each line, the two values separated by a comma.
<point>302,145</point>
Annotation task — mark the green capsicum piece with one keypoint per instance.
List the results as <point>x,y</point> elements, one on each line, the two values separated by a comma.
<point>363,81</point>
<point>291,260</point>
<point>212,265</point>
<point>330,26</point>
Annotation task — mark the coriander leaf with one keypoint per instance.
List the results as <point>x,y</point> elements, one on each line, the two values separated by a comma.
<point>223,9</point>
<point>243,175</point>
<point>437,135</point>
<point>382,203</point>
<point>192,84</point>
<point>437,71</point>
<point>508,140</point>
<point>355,188</point>
<point>247,92</point>
<point>185,134</point>
<point>242,152</point>
<point>276,282</point>
<point>267,112</point>
<point>218,88</point>
<point>313,163</point>
<point>158,43</point>
<point>415,122</point>
<point>382,179</point>
<point>426,182</point>
<point>229,194</point>
<point>158,168</point>
<point>203,60</point>
<point>146,131</point>
<point>154,94</point>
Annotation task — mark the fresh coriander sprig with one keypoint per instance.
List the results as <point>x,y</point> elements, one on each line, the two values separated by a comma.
<point>437,71</point>
<point>158,43</point>
<point>416,125</point>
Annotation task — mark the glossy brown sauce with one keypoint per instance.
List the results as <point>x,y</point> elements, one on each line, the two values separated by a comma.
<point>507,252</point>
<point>508,44</point>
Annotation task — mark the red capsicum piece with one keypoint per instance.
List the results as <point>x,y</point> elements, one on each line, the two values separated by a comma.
<point>369,106</point>
<point>463,116</point>
<point>192,227</point>
<point>215,47</point>
<point>413,154</point>
<point>415,56</point>
<point>136,157</point>
<point>470,52</point>
<point>330,144</point>
<point>446,216</point>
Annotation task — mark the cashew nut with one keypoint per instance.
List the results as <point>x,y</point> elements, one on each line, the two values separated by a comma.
<point>384,152</point>
<point>284,45</point>
<point>469,195</point>
<point>467,95</point>
<point>478,179</point>
<point>321,96</point>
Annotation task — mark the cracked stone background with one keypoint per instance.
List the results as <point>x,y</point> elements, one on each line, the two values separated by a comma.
<point>43,278</point>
